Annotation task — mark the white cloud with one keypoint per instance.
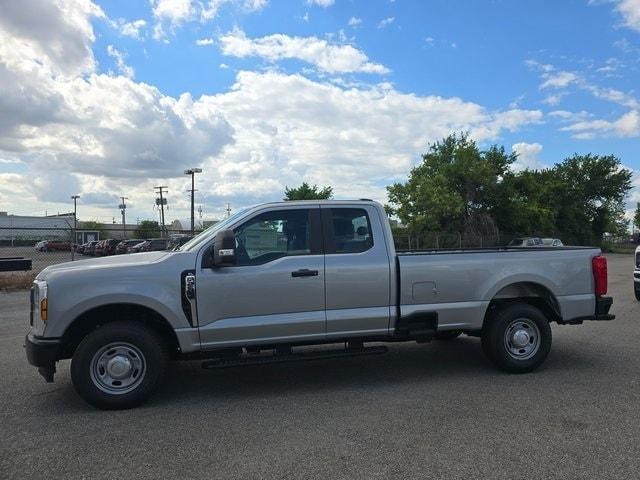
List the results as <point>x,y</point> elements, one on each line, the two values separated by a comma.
<point>321,3</point>
<point>386,21</point>
<point>561,80</point>
<point>554,99</point>
<point>527,156</point>
<point>290,128</point>
<point>354,21</point>
<point>558,79</point>
<point>204,41</point>
<point>628,125</point>
<point>58,33</point>
<point>255,5</point>
<point>170,14</point>
<point>175,12</point>
<point>328,57</point>
<point>87,129</point>
<point>129,29</point>
<point>98,134</point>
<point>118,56</point>
<point>630,11</point>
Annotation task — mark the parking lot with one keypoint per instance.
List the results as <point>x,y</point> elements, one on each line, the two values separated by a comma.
<point>436,410</point>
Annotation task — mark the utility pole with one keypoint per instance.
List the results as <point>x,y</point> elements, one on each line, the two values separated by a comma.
<point>161,202</point>
<point>75,225</point>
<point>123,207</point>
<point>192,172</point>
<point>228,210</point>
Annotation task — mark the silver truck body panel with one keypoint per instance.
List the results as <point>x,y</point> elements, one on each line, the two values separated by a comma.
<point>353,294</point>
<point>358,285</point>
<point>460,285</point>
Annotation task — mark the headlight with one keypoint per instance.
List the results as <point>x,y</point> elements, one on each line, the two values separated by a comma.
<point>41,298</point>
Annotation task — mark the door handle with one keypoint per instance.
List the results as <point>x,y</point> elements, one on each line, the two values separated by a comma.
<point>305,272</point>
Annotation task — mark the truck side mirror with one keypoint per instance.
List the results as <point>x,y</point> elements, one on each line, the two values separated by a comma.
<point>224,249</point>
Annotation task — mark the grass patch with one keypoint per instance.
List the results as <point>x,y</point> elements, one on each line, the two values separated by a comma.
<point>16,281</point>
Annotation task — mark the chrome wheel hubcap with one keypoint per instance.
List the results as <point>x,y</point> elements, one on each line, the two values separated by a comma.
<point>522,339</point>
<point>118,368</point>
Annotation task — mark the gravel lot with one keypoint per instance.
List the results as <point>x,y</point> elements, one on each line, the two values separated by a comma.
<point>427,411</point>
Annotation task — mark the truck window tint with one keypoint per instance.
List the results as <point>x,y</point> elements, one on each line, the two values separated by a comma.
<point>272,235</point>
<point>351,230</point>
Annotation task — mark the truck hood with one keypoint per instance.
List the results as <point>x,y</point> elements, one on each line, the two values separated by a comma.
<point>115,261</point>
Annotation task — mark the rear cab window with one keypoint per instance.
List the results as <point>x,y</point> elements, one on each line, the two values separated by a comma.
<point>347,230</point>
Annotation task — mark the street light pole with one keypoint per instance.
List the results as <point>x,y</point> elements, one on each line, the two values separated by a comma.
<point>192,172</point>
<point>75,225</point>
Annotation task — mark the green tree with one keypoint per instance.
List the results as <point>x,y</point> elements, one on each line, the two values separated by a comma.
<point>588,194</point>
<point>455,188</point>
<point>147,229</point>
<point>92,226</point>
<point>307,192</point>
<point>636,217</point>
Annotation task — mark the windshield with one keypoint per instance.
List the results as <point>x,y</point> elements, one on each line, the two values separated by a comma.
<point>210,232</point>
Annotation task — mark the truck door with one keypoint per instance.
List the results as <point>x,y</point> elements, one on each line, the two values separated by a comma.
<point>276,290</point>
<point>357,271</point>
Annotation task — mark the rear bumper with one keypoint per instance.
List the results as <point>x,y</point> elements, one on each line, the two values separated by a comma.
<point>603,305</point>
<point>42,353</point>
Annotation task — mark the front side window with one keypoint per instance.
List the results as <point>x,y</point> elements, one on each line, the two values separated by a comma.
<point>351,231</point>
<point>272,235</point>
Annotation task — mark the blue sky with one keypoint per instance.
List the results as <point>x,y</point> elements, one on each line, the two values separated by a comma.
<point>264,94</point>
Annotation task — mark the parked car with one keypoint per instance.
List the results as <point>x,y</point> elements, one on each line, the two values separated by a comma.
<point>54,245</point>
<point>109,246</point>
<point>552,242</point>
<point>176,241</point>
<point>89,247</point>
<point>151,245</point>
<point>125,245</point>
<point>270,278</point>
<point>97,251</point>
<point>526,242</point>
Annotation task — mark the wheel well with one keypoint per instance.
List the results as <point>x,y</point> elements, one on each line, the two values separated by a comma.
<point>532,293</point>
<point>98,316</point>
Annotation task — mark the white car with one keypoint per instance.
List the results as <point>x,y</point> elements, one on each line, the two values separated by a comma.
<point>552,242</point>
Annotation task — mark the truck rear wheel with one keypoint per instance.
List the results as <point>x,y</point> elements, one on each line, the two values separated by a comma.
<point>517,338</point>
<point>118,365</point>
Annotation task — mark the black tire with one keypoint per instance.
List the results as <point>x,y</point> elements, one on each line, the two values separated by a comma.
<point>134,344</point>
<point>447,335</point>
<point>636,290</point>
<point>500,345</point>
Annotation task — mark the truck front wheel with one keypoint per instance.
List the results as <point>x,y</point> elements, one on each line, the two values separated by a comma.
<point>636,290</point>
<point>118,365</point>
<point>517,338</point>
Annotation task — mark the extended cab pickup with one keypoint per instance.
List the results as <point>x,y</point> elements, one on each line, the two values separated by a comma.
<point>273,278</point>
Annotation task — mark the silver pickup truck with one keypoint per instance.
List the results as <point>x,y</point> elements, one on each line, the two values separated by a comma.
<point>267,282</point>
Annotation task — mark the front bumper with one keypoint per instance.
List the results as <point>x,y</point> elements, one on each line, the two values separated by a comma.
<point>42,353</point>
<point>603,305</point>
<point>636,276</point>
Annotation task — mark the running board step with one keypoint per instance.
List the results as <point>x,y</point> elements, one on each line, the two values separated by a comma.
<point>292,357</point>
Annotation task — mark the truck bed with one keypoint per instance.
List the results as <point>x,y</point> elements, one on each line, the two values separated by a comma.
<point>459,284</point>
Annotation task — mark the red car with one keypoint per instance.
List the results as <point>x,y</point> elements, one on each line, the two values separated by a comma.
<point>54,245</point>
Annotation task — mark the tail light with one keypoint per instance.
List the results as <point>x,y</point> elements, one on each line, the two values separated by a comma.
<point>599,267</point>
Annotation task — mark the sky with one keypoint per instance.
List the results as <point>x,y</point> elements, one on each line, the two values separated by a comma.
<point>108,99</point>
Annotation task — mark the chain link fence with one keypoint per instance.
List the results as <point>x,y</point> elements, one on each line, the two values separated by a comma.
<point>49,246</point>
